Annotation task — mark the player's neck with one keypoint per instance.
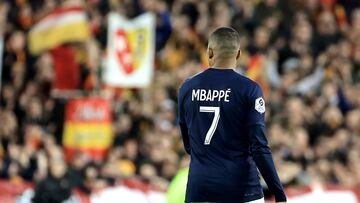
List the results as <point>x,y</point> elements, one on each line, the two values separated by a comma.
<point>223,65</point>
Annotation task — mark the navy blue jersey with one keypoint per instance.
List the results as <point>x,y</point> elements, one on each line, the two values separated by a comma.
<point>219,111</point>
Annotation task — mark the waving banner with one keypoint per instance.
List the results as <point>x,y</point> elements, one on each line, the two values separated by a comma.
<point>63,25</point>
<point>131,49</point>
<point>88,127</point>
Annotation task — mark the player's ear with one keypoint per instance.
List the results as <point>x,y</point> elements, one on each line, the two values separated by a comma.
<point>210,53</point>
<point>238,54</point>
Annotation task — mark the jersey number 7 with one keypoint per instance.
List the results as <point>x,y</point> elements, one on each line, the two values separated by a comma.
<point>215,121</point>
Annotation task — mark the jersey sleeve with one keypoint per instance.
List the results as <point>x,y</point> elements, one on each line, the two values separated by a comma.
<point>181,103</point>
<point>259,148</point>
<point>262,156</point>
<point>181,119</point>
<point>256,106</point>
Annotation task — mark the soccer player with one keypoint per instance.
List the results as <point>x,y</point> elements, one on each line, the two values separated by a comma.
<point>221,117</point>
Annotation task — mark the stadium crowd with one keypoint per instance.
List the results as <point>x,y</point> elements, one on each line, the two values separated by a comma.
<point>304,53</point>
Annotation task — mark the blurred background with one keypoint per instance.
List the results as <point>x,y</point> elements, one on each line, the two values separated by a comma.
<point>88,103</point>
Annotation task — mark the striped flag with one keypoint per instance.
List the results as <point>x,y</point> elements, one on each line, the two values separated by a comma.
<point>88,127</point>
<point>63,25</point>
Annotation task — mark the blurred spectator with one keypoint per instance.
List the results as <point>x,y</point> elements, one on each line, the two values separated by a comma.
<point>55,188</point>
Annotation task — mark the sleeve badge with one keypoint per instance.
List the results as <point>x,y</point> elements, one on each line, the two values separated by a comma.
<point>260,105</point>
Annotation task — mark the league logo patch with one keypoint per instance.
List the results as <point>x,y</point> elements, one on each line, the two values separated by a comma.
<point>260,105</point>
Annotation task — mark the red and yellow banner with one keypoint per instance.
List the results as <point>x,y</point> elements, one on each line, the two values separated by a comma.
<point>63,25</point>
<point>88,127</point>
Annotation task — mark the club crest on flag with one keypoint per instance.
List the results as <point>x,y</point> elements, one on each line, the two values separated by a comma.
<point>131,49</point>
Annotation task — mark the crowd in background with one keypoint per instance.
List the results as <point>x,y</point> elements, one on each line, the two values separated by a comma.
<point>308,63</point>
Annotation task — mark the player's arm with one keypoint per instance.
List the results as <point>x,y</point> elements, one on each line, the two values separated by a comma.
<point>182,123</point>
<point>262,156</point>
<point>259,148</point>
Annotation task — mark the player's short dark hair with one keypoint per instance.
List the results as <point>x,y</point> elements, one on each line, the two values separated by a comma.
<point>226,40</point>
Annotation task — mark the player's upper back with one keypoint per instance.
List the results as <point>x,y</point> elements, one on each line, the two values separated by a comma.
<point>217,106</point>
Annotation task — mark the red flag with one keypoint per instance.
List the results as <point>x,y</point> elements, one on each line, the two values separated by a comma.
<point>67,72</point>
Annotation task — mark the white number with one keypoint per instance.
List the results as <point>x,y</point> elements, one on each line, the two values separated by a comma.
<point>211,131</point>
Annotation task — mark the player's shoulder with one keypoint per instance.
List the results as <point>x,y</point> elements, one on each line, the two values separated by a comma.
<point>246,81</point>
<point>188,81</point>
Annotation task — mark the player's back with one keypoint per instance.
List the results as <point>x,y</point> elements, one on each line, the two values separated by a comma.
<point>217,110</point>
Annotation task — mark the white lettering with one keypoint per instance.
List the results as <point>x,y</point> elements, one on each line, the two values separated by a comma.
<point>202,95</point>
<point>227,94</point>
<point>211,95</point>
<point>208,98</point>
<point>195,94</point>
<point>221,94</point>
<point>215,94</point>
<point>89,112</point>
